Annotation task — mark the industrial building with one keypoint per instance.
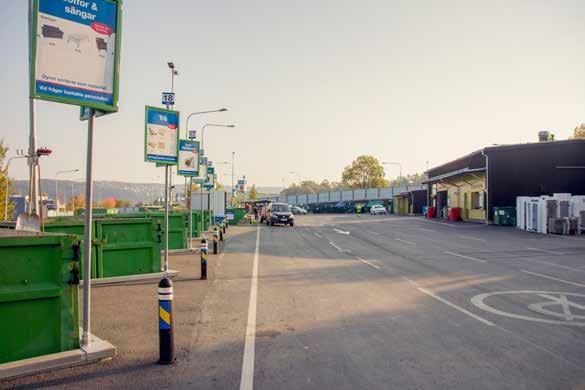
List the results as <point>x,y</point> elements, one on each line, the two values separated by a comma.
<point>494,176</point>
<point>409,202</point>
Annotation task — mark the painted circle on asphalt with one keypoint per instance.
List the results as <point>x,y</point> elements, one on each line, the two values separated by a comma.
<point>561,308</point>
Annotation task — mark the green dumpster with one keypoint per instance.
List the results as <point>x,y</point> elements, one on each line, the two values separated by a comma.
<point>238,213</point>
<point>75,226</point>
<point>178,226</point>
<point>121,246</point>
<point>127,247</point>
<point>505,216</point>
<point>38,294</point>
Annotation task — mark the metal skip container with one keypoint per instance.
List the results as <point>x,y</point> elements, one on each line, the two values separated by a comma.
<point>38,294</point>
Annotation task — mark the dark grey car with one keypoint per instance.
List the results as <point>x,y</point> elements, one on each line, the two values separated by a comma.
<point>279,213</point>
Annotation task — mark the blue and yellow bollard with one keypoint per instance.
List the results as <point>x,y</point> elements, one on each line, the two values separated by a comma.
<point>215,240</point>
<point>165,322</point>
<point>203,259</point>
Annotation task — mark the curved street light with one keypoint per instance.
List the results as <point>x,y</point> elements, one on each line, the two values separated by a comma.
<point>57,185</point>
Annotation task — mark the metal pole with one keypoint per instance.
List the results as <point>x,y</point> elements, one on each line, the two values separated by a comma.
<point>85,339</point>
<point>233,191</point>
<point>32,140</point>
<point>190,212</point>
<point>166,243</point>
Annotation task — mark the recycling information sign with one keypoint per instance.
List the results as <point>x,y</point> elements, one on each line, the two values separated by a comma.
<point>188,158</point>
<point>76,52</point>
<point>161,136</point>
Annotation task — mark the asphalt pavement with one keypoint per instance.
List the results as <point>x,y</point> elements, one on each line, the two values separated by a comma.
<point>347,302</point>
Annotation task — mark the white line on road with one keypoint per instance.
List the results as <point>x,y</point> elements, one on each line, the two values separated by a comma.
<point>425,230</point>
<point>545,251</point>
<point>341,231</point>
<point>550,277</point>
<point>472,238</point>
<point>465,257</point>
<point>247,379</point>
<point>334,245</point>
<point>318,235</point>
<point>440,223</point>
<point>408,242</point>
<point>373,232</point>
<point>368,263</point>
<point>450,304</point>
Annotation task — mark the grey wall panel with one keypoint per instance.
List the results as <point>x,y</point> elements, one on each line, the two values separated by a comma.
<point>359,194</point>
<point>347,195</point>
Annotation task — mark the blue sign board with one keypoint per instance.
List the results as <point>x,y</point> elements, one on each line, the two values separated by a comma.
<point>161,137</point>
<point>168,98</point>
<point>188,158</point>
<point>76,52</point>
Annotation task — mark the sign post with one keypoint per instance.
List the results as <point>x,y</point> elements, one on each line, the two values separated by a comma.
<point>188,166</point>
<point>161,138</point>
<point>75,57</point>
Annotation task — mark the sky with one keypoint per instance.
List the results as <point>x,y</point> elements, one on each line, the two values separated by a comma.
<point>311,85</point>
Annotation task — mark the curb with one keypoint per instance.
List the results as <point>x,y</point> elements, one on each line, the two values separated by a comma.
<point>130,278</point>
<point>98,350</point>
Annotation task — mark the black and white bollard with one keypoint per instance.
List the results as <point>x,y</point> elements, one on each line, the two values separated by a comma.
<point>215,240</point>
<point>220,233</point>
<point>204,259</point>
<point>165,322</point>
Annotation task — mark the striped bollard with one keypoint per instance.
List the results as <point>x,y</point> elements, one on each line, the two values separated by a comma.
<point>215,240</point>
<point>165,322</point>
<point>203,259</point>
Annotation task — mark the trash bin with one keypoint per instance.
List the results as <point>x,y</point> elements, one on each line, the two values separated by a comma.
<point>38,294</point>
<point>455,214</point>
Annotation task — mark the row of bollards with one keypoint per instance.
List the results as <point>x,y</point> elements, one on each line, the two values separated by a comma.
<point>165,298</point>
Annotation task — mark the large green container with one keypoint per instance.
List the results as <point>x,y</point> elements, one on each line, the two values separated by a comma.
<point>196,223</point>
<point>178,226</point>
<point>38,294</point>
<point>75,226</point>
<point>121,246</point>
<point>239,214</point>
<point>505,216</point>
<point>127,247</point>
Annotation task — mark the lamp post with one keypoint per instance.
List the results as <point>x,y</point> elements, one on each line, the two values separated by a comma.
<point>189,193</point>
<point>201,187</point>
<point>57,186</point>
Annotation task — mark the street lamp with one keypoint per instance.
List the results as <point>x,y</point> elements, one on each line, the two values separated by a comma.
<point>199,113</point>
<point>201,187</point>
<point>57,186</point>
<point>399,166</point>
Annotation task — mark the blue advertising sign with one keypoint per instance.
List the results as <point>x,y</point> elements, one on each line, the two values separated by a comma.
<point>161,135</point>
<point>188,158</point>
<point>76,53</point>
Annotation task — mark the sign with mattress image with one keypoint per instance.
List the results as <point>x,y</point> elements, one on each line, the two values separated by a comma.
<point>161,135</point>
<point>75,48</point>
<point>188,158</point>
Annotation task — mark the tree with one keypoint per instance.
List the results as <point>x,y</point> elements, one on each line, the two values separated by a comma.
<point>364,172</point>
<point>218,186</point>
<point>5,182</point>
<point>78,201</point>
<point>253,193</point>
<point>123,203</point>
<point>108,203</point>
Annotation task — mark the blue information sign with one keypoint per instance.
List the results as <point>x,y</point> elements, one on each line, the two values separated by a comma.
<point>76,52</point>
<point>188,158</point>
<point>161,137</point>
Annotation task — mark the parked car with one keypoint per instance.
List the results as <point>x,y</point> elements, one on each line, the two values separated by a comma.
<point>298,210</point>
<point>279,213</point>
<point>378,209</point>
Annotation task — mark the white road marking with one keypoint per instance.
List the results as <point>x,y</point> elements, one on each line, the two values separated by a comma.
<point>472,238</point>
<point>334,245</point>
<point>408,242</point>
<point>450,304</point>
<point>373,232</point>
<point>341,231</point>
<point>439,223</point>
<point>368,263</point>
<point>556,265</point>
<point>425,230</point>
<point>550,277</point>
<point>247,379</point>
<point>318,235</point>
<point>545,251</point>
<point>465,257</point>
<point>551,298</point>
